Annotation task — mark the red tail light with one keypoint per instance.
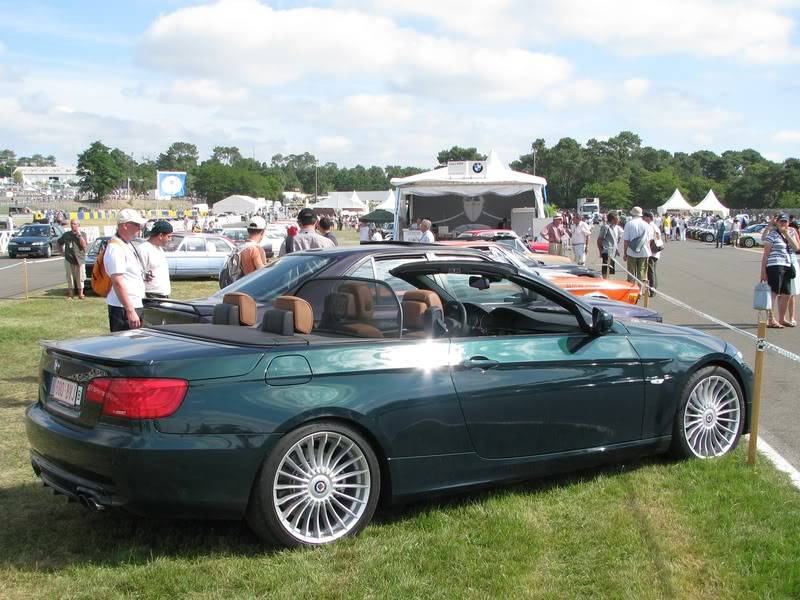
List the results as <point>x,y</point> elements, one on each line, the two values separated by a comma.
<point>137,398</point>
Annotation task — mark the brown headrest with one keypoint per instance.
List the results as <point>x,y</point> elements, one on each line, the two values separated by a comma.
<point>301,310</point>
<point>428,297</point>
<point>246,304</point>
<point>362,298</point>
<point>413,311</point>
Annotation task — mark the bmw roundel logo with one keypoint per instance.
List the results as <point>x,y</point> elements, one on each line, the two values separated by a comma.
<point>477,167</point>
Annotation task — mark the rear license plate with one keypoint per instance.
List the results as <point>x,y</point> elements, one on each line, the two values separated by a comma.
<point>66,392</point>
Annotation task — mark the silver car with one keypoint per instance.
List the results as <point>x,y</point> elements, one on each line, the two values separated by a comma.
<point>197,255</point>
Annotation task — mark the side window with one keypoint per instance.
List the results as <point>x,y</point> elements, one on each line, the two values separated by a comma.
<point>174,243</point>
<point>216,245</point>
<point>502,292</point>
<point>194,244</point>
<point>382,268</point>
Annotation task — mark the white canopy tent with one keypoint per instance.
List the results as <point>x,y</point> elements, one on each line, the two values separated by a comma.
<point>241,205</point>
<point>676,203</point>
<point>477,183</point>
<point>346,201</point>
<point>711,204</point>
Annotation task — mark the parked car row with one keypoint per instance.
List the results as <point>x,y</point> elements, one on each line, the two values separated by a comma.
<point>749,237</point>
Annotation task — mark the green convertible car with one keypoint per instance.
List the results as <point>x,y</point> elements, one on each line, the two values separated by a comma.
<point>351,392</point>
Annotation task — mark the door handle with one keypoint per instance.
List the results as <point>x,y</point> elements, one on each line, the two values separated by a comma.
<point>480,362</point>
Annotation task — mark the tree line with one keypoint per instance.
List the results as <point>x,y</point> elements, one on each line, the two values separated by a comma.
<point>619,170</point>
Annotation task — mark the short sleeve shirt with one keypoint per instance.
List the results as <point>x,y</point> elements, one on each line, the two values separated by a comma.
<point>72,248</point>
<point>155,260</point>
<point>779,254</point>
<point>120,258</point>
<point>633,229</point>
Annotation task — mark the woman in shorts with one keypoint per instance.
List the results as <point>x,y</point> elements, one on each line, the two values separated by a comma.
<point>777,270</point>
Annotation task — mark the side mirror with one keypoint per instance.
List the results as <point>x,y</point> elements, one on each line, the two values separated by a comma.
<point>601,321</point>
<point>478,282</point>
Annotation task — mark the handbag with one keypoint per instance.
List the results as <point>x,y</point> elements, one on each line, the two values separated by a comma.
<point>762,296</point>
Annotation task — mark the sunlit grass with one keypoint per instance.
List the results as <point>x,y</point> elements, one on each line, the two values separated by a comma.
<point>646,529</point>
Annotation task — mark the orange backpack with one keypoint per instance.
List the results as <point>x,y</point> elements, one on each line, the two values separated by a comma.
<point>101,281</point>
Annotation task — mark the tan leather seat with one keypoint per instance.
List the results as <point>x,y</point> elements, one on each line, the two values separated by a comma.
<point>360,308</point>
<point>237,308</point>
<point>415,304</point>
<point>302,313</point>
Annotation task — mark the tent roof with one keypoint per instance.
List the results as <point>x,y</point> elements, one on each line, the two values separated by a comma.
<point>711,204</point>
<point>239,202</point>
<point>497,174</point>
<point>341,201</point>
<point>675,202</point>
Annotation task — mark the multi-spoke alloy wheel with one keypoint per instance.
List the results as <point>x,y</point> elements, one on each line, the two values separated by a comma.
<point>711,418</point>
<point>322,487</point>
<point>320,483</point>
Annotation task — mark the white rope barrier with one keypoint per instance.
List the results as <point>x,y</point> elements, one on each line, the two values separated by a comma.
<point>763,344</point>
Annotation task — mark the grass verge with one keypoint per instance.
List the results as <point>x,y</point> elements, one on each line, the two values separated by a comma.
<point>647,529</point>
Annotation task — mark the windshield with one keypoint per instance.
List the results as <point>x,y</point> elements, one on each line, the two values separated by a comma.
<point>35,231</point>
<point>285,274</point>
<point>97,245</point>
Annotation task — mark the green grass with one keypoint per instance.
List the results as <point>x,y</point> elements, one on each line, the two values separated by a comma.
<point>646,529</point>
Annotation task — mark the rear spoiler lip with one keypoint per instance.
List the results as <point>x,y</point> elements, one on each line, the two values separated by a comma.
<point>56,347</point>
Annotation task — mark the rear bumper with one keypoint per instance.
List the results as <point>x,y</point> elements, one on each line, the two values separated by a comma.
<point>146,472</point>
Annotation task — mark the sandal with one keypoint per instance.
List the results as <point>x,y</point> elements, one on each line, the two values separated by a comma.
<point>774,326</point>
<point>789,323</point>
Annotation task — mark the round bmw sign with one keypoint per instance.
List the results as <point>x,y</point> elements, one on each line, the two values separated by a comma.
<point>477,167</point>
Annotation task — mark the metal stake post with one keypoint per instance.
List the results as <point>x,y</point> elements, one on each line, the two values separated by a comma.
<point>759,371</point>
<point>25,270</point>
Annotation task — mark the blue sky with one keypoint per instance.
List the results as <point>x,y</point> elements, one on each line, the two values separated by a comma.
<point>387,82</point>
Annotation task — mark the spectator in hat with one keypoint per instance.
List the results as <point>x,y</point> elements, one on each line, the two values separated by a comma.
<point>252,256</point>
<point>124,267</point>
<point>154,261</point>
<point>777,269</point>
<point>636,245</point>
<point>307,237</point>
<point>656,243</point>
<point>554,235</point>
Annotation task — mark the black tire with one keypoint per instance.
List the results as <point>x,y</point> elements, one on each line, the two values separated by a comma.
<point>263,510</point>
<point>695,428</point>
<point>48,252</point>
<point>12,255</point>
<point>709,237</point>
<point>748,242</point>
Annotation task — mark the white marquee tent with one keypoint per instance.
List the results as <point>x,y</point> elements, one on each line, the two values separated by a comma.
<point>238,204</point>
<point>676,202</point>
<point>347,201</point>
<point>470,179</point>
<point>711,204</point>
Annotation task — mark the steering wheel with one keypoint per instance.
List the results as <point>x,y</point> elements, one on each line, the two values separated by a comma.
<point>462,313</point>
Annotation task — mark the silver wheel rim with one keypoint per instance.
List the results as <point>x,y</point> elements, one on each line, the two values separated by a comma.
<point>321,487</point>
<point>712,417</point>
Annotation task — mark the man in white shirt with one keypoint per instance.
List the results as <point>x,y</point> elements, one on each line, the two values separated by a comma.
<point>636,242</point>
<point>363,231</point>
<point>427,234</point>
<point>121,262</point>
<point>581,233</point>
<point>652,260</point>
<point>154,261</point>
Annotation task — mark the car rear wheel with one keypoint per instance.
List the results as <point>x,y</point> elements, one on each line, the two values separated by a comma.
<point>320,483</point>
<point>748,242</point>
<point>709,237</point>
<point>12,255</point>
<point>710,417</point>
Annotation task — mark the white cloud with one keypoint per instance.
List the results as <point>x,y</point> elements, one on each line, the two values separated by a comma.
<point>334,143</point>
<point>787,135</point>
<point>636,87</point>
<point>248,42</point>
<point>584,92</point>
<point>202,92</point>
<point>375,109</point>
<point>750,30</point>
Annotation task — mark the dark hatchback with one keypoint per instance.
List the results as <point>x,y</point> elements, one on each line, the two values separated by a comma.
<point>373,261</point>
<point>36,239</point>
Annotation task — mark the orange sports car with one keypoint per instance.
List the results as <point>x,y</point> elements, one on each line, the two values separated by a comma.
<point>584,284</point>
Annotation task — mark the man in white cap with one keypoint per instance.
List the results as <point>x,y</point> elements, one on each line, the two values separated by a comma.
<point>636,238</point>
<point>252,256</point>
<point>124,267</point>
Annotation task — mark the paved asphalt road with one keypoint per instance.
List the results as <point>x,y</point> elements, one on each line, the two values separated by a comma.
<point>718,282</point>
<point>42,273</point>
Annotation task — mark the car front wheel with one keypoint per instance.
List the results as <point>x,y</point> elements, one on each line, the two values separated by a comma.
<point>320,483</point>
<point>48,252</point>
<point>748,242</point>
<point>710,417</point>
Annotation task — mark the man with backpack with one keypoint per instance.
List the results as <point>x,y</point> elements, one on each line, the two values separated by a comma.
<point>252,256</point>
<point>122,264</point>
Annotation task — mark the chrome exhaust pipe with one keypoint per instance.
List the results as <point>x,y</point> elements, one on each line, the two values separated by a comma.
<point>93,504</point>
